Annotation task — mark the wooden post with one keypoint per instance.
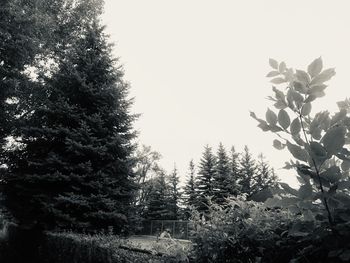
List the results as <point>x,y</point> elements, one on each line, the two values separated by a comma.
<point>151,227</point>
<point>161,231</point>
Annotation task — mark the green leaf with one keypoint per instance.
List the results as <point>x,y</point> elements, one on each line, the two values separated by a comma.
<point>318,153</point>
<point>295,126</point>
<point>278,145</point>
<point>282,67</point>
<point>298,152</point>
<point>302,76</point>
<point>310,98</point>
<point>278,80</point>
<point>317,89</point>
<point>301,87</point>
<point>305,191</point>
<point>271,117</point>
<point>283,119</point>
<point>315,67</point>
<point>334,139</point>
<point>280,105</point>
<point>289,189</point>
<point>273,73</point>
<point>332,174</point>
<point>298,98</point>
<point>273,63</point>
<point>306,109</point>
<point>338,117</point>
<point>323,77</point>
<point>342,185</point>
<point>279,94</point>
<point>345,165</point>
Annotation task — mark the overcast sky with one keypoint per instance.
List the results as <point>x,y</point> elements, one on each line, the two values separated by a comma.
<point>197,67</point>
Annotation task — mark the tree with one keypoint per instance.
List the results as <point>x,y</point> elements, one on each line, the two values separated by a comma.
<point>318,143</point>
<point>158,207</point>
<point>75,167</point>
<point>204,183</point>
<point>174,194</point>
<point>222,177</point>
<point>247,172</point>
<point>265,176</point>
<point>146,168</point>
<point>189,192</point>
<point>234,187</point>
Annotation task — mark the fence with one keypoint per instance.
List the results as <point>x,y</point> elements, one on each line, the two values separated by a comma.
<point>177,228</point>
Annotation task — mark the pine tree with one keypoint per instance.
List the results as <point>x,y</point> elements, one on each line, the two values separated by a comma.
<point>174,194</point>
<point>18,47</point>
<point>157,200</point>
<point>265,176</point>
<point>75,169</point>
<point>221,178</point>
<point>190,188</point>
<point>247,172</point>
<point>204,183</point>
<point>234,186</point>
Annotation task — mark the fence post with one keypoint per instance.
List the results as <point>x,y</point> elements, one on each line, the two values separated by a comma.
<point>151,227</point>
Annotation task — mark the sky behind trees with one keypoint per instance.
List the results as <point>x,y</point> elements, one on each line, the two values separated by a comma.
<point>197,67</point>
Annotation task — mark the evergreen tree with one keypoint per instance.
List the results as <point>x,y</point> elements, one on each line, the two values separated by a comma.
<point>146,168</point>
<point>174,194</point>
<point>190,187</point>
<point>221,178</point>
<point>265,176</point>
<point>204,183</point>
<point>75,168</point>
<point>157,201</point>
<point>234,186</point>
<point>248,171</point>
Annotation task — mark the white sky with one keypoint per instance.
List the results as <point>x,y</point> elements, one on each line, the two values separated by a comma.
<point>196,67</point>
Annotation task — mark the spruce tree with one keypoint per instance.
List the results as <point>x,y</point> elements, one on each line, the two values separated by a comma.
<point>174,194</point>
<point>234,186</point>
<point>265,176</point>
<point>204,183</point>
<point>75,168</point>
<point>189,191</point>
<point>157,202</point>
<point>248,171</point>
<point>221,178</point>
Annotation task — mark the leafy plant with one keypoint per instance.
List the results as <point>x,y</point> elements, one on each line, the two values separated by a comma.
<point>317,142</point>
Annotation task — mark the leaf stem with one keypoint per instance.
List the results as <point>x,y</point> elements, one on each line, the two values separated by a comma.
<point>330,219</point>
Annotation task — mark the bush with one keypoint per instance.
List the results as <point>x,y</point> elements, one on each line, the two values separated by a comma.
<point>101,248</point>
<point>246,231</point>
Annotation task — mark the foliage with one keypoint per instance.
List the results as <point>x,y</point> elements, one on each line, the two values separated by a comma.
<point>174,194</point>
<point>240,232</point>
<point>247,172</point>
<point>222,178</point>
<point>103,248</point>
<point>204,182</point>
<point>318,142</point>
<point>74,167</point>
<point>189,191</point>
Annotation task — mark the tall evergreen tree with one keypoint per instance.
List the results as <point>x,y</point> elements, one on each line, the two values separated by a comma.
<point>75,167</point>
<point>247,172</point>
<point>174,194</point>
<point>158,207</point>
<point>265,176</point>
<point>189,191</point>
<point>221,178</point>
<point>234,186</point>
<point>204,183</point>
